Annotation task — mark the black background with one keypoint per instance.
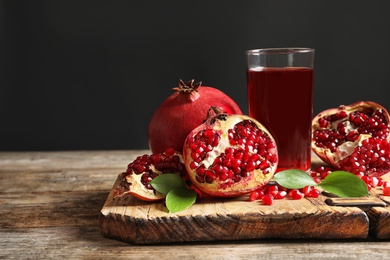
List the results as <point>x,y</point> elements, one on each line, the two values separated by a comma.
<point>89,74</point>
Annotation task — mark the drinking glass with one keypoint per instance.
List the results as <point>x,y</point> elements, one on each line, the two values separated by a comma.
<point>280,96</point>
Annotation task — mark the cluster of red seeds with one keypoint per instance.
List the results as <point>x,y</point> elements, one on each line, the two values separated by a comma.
<point>349,127</point>
<point>271,192</point>
<point>166,162</point>
<point>372,156</point>
<point>251,149</point>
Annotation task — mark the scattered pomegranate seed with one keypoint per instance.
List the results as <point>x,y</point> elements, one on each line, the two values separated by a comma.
<point>374,181</point>
<point>317,179</point>
<point>272,189</point>
<point>380,181</point>
<point>366,179</point>
<point>281,195</point>
<point>268,199</point>
<point>314,193</point>
<point>254,195</point>
<point>386,191</point>
<point>295,194</point>
<point>306,190</point>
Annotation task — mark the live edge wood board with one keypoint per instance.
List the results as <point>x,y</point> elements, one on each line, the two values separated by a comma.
<point>134,221</point>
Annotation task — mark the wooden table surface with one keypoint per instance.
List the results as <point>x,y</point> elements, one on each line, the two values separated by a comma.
<point>50,204</point>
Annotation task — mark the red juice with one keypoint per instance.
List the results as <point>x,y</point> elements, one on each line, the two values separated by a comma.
<point>282,100</point>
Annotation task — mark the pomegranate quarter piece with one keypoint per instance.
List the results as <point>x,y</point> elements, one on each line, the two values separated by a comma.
<point>139,173</point>
<point>354,138</point>
<point>230,155</point>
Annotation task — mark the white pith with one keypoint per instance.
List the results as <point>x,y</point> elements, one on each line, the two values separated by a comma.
<point>222,145</point>
<point>345,149</point>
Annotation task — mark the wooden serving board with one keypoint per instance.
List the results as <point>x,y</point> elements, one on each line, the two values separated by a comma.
<point>134,221</point>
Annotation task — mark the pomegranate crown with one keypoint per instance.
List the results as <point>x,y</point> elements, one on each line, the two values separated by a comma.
<point>189,87</point>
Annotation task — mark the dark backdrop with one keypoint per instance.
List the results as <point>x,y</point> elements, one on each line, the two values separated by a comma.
<point>89,74</point>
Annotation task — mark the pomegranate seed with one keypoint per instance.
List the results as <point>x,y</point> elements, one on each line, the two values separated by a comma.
<point>307,190</point>
<point>223,176</point>
<point>267,199</point>
<point>359,174</point>
<point>170,152</point>
<point>194,165</point>
<point>322,122</point>
<point>366,179</point>
<point>374,182</point>
<point>386,184</point>
<point>210,176</point>
<point>386,191</point>
<point>251,166</point>
<point>317,179</point>
<point>314,193</point>
<point>261,194</point>
<point>295,194</point>
<point>280,194</point>
<point>254,195</point>
<point>271,188</point>
<point>324,174</point>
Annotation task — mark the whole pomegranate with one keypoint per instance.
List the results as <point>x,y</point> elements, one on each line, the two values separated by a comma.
<point>139,173</point>
<point>229,155</point>
<point>354,138</point>
<point>183,111</point>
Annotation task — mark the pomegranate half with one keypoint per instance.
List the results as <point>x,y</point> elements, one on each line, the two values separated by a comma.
<point>230,155</point>
<point>354,138</point>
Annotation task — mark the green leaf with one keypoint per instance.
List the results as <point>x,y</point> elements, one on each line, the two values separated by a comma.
<point>166,182</point>
<point>294,179</point>
<point>180,198</point>
<point>344,184</point>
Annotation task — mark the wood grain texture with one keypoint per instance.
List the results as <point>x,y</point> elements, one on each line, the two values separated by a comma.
<point>50,204</point>
<point>380,216</point>
<point>139,222</point>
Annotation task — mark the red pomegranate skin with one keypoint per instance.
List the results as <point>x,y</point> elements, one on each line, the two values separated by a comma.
<point>182,111</point>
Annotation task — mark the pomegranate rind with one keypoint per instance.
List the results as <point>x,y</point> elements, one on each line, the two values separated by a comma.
<point>137,190</point>
<point>346,148</point>
<point>182,111</point>
<point>140,191</point>
<point>253,180</point>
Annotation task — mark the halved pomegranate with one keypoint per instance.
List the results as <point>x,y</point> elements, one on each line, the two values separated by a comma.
<point>136,180</point>
<point>354,138</point>
<point>230,155</point>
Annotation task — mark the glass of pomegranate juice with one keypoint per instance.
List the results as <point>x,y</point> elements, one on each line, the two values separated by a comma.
<point>280,96</point>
